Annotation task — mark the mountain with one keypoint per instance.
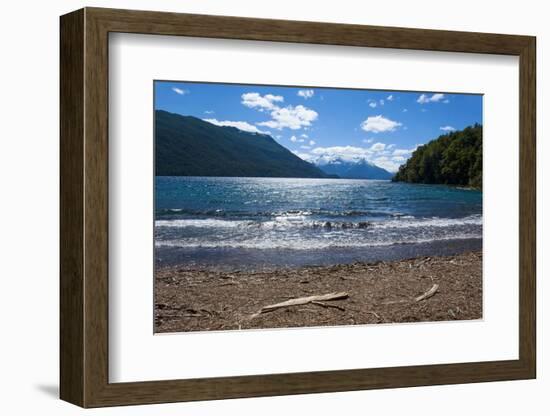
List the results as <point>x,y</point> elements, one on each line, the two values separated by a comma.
<point>360,169</point>
<point>189,146</point>
<point>453,159</point>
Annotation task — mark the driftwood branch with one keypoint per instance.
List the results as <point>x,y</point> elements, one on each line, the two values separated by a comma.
<point>373,313</point>
<point>328,305</point>
<point>303,301</point>
<point>421,262</point>
<point>428,294</point>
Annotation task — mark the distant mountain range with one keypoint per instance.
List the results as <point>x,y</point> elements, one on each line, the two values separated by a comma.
<point>189,146</point>
<point>360,169</point>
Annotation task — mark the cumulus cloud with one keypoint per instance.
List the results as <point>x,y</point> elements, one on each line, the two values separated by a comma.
<point>447,128</point>
<point>241,125</point>
<point>372,104</point>
<point>425,99</point>
<point>403,152</point>
<point>390,97</point>
<point>378,124</point>
<point>306,93</point>
<point>261,102</point>
<point>347,153</point>
<point>378,154</point>
<point>305,136</point>
<point>387,163</point>
<point>312,142</point>
<point>305,156</point>
<point>305,147</point>
<point>293,139</point>
<point>180,91</point>
<point>378,147</point>
<point>290,117</point>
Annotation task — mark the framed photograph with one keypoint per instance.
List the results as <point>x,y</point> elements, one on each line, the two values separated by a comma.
<point>255,207</point>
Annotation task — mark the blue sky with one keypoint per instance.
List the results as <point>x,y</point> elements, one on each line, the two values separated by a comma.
<point>321,124</point>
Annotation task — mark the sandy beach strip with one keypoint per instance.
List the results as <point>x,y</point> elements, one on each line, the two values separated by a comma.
<point>437,288</point>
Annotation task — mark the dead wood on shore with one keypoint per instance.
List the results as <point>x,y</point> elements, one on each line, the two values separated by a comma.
<point>302,301</point>
<point>428,294</point>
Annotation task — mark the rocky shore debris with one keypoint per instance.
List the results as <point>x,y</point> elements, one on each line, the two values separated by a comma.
<point>419,289</point>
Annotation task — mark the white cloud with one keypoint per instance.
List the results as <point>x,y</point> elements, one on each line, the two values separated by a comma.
<point>305,136</point>
<point>387,163</point>
<point>378,147</point>
<point>209,112</point>
<point>295,139</point>
<point>390,146</point>
<point>377,124</point>
<point>255,100</point>
<point>368,140</point>
<point>305,147</point>
<point>381,102</point>
<point>446,101</point>
<point>405,110</point>
<point>447,128</point>
<point>180,91</point>
<point>241,125</point>
<point>306,93</point>
<point>390,97</point>
<point>424,99</point>
<point>312,142</point>
<point>378,154</point>
<point>347,153</point>
<point>372,104</point>
<point>305,156</point>
<point>403,152</point>
<point>290,117</point>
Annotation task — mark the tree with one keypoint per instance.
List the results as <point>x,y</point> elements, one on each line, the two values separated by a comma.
<point>455,159</point>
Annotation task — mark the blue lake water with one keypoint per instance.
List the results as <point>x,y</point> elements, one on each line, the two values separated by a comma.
<point>262,222</point>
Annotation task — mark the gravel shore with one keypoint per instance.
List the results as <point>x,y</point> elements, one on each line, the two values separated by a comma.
<point>380,292</point>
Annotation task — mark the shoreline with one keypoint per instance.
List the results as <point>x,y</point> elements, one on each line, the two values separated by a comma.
<point>203,299</point>
<point>249,259</point>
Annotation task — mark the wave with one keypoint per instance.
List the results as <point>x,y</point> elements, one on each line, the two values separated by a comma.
<point>407,222</point>
<point>301,221</point>
<point>303,243</point>
<point>182,213</point>
<point>203,223</point>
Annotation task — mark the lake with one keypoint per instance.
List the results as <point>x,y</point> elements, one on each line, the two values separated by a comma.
<point>274,222</point>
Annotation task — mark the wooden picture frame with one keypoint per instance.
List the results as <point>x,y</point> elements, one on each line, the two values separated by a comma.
<point>84,207</point>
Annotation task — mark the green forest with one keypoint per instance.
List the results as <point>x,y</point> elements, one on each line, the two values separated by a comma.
<point>453,159</point>
<point>188,146</point>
